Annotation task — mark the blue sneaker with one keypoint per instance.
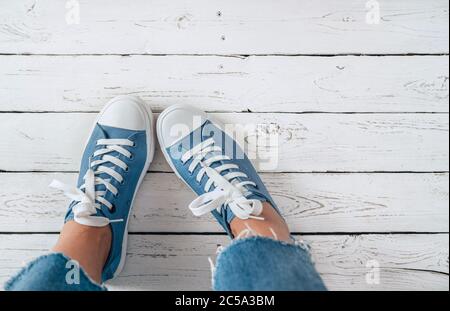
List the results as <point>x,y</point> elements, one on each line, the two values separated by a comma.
<point>115,160</point>
<point>212,164</point>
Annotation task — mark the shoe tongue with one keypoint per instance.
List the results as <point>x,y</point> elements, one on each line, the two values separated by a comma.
<point>220,163</point>
<point>256,196</point>
<point>70,215</point>
<point>251,194</point>
<point>109,132</point>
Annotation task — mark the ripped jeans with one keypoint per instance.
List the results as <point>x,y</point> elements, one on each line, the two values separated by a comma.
<point>250,264</point>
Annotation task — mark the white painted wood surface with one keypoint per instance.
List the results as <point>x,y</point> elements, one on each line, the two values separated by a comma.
<point>223,27</point>
<point>181,262</point>
<point>305,142</point>
<point>370,101</point>
<point>310,203</point>
<point>211,83</point>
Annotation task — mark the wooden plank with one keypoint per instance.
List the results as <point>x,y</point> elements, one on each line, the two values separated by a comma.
<point>300,142</point>
<point>180,262</point>
<point>258,84</point>
<point>223,27</point>
<point>310,203</point>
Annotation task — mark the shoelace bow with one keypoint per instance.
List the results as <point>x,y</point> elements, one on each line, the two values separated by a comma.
<point>229,190</point>
<point>89,200</point>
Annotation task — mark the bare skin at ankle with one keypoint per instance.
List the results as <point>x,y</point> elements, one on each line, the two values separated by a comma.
<point>273,226</point>
<point>88,245</point>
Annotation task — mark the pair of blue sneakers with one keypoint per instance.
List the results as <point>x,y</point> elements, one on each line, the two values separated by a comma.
<point>119,152</point>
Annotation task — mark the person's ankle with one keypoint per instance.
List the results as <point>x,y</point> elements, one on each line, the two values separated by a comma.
<point>89,246</point>
<point>273,226</point>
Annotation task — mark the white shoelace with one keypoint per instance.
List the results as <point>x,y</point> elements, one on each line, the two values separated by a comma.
<point>229,190</point>
<point>90,200</point>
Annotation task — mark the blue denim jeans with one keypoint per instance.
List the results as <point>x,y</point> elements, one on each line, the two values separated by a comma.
<point>250,264</point>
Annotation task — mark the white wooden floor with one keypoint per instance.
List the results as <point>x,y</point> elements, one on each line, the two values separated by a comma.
<point>360,105</point>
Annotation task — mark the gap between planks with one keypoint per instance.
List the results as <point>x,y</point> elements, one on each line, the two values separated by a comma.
<point>241,56</point>
<point>157,111</point>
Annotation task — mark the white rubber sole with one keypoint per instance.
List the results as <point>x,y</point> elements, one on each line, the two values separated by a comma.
<point>146,110</point>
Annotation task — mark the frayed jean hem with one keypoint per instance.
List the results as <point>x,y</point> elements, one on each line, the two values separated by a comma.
<point>265,264</point>
<point>52,272</point>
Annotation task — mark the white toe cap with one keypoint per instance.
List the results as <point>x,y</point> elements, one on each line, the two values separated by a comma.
<point>125,112</point>
<point>177,122</point>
